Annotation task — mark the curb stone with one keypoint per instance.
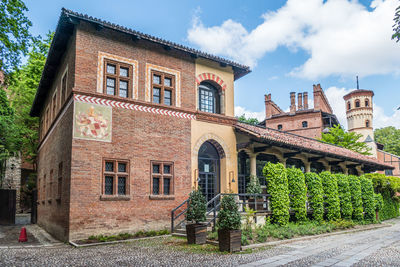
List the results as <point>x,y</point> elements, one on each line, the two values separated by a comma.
<point>73,243</point>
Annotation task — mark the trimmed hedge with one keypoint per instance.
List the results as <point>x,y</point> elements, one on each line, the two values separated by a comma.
<point>277,187</point>
<point>367,193</point>
<point>229,217</point>
<point>298,193</point>
<point>346,209</point>
<point>332,202</point>
<point>356,199</point>
<point>315,195</point>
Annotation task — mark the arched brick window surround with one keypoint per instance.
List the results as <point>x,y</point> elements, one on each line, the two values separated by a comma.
<point>211,77</point>
<point>217,142</point>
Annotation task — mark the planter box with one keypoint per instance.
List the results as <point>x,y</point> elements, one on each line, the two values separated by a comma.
<point>229,240</point>
<point>196,233</point>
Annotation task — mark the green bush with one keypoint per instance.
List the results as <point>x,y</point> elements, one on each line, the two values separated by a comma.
<point>298,193</point>
<point>356,199</point>
<point>367,193</point>
<point>254,186</point>
<point>229,216</point>
<point>315,195</point>
<point>378,202</point>
<point>332,203</point>
<point>277,187</point>
<point>346,209</point>
<point>197,207</point>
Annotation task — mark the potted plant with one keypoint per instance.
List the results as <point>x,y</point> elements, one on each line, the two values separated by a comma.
<point>196,231</point>
<point>254,187</point>
<point>228,224</point>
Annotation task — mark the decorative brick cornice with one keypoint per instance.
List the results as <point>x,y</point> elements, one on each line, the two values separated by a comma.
<point>211,77</point>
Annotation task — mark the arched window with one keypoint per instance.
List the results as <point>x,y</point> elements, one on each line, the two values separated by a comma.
<point>366,102</point>
<point>304,124</point>
<point>208,98</point>
<point>279,127</point>
<point>348,105</point>
<point>367,123</point>
<point>357,103</point>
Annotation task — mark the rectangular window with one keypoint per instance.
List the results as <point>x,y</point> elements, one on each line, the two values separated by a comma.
<point>64,88</point>
<point>118,78</point>
<point>59,183</point>
<point>163,85</point>
<point>54,104</point>
<point>47,119</point>
<point>162,175</point>
<point>116,177</point>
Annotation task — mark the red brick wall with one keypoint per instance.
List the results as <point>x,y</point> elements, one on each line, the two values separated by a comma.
<point>386,158</point>
<point>138,137</point>
<point>293,124</point>
<point>90,41</point>
<point>53,215</point>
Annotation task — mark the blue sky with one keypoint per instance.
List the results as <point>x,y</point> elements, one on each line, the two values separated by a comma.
<point>290,45</point>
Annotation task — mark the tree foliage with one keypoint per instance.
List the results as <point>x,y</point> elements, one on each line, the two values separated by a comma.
<point>329,184</point>
<point>298,193</point>
<point>254,187</point>
<point>229,217</point>
<point>252,121</point>
<point>390,138</point>
<point>396,26</point>
<point>14,33</point>
<point>346,209</point>
<point>315,195</point>
<point>350,140</point>
<point>22,89</point>
<point>356,199</point>
<point>277,187</point>
<point>197,207</point>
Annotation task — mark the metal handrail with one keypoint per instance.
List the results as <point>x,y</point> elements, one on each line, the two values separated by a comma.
<point>173,217</point>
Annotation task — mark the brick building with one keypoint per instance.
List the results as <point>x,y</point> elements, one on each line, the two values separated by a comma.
<point>301,119</point>
<point>130,123</point>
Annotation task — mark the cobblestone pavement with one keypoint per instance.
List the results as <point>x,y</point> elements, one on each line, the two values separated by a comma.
<point>379,247</point>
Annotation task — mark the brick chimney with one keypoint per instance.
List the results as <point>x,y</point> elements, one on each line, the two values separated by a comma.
<point>305,100</point>
<point>292,102</point>
<point>317,96</point>
<point>299,101</point>
<point>268,106</point>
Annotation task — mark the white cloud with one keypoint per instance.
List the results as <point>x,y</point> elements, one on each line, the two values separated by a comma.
<point>239,111</point>
<point>342,37</point>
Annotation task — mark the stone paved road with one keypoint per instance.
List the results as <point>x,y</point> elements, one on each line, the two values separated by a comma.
<point>380,247</point>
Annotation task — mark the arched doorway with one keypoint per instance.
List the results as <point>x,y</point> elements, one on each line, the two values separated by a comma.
<point>209,170</point>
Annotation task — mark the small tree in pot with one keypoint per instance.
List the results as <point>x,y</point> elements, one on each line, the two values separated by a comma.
<point>196,231</point>
<point>254,187</point>
<point>229,222</point>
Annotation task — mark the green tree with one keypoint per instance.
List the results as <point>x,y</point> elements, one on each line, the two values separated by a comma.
<point>396,26</point>
<point>9,135</point>
<point>197,207</point>
<point>252,121</point>
<point>390,138</point>
<point>297,193</point>
<point>22,89</point>
<point>14,33</point>
<point>350,140</point>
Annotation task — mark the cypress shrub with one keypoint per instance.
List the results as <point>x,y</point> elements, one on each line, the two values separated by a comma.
<point>315,195</point>
<point>332,203</point>
<point>298,193</point>
<point>277,187</point>
<point>229,216</point>
<point>346,209</point>
<point>356,199</point>
<point>367,193</point>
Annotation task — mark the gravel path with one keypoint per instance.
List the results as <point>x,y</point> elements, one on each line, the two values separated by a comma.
<point>380,247</point>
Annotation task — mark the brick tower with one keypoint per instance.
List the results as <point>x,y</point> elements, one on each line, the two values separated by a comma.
<point>359,113</point>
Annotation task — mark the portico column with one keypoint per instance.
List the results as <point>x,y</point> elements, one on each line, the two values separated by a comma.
<point>307,166</point>
<point>253,164</point>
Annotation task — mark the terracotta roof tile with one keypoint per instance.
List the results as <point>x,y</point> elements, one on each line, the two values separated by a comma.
<point>309,145</point>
